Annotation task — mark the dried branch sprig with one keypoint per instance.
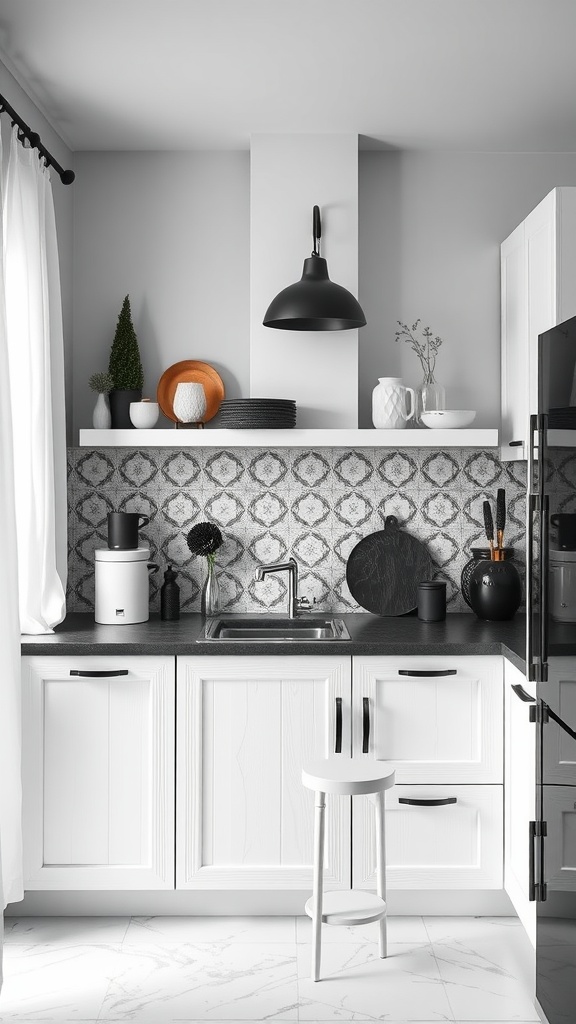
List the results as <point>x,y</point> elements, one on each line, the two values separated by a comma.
<point>426,350</point>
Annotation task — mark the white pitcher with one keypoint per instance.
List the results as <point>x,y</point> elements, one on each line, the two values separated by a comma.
<point>390,404</point>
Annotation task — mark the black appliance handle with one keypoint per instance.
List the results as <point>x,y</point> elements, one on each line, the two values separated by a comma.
<point>100,674</point>
<point>531,862</point>
<point>544,584</point>
<point>522,693</point>
<point>515,444</point>
<point>428,802</point>
<point>365,724</point>
<point>427,673</point>
<point>338,744</point>
<point>531,509</point>
<point>530,470</point>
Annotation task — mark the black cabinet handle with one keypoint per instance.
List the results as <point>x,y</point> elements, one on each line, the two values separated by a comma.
<point>338,744</point>
<point>515,444</point>
<point>531,862</point>
<point>423,802</point>
<point>98,674</point>
<point>522,693</point>
<point>423,673</point>
<point>365,724</point>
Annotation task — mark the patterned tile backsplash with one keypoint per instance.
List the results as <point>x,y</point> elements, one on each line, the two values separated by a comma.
<point>269,504</point>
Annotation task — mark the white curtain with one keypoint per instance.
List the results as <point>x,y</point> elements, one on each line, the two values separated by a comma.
<point>32,460</point>
<point>10,789</point>
<point>36,362</point>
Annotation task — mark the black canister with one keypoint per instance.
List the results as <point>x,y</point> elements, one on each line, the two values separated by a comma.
<point>170,597</point>
<point>432,601</point>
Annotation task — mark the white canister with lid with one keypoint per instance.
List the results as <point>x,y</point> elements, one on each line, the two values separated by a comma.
<point>563,586</point>
<point>121,585</point>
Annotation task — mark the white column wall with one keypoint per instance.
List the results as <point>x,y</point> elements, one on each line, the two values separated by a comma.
<point>289,174</point>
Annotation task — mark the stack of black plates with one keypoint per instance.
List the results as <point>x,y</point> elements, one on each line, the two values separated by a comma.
<point>258,413</point>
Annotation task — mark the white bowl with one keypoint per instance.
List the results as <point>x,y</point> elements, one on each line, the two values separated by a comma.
<point>448,418</point>
<point>144,414</point>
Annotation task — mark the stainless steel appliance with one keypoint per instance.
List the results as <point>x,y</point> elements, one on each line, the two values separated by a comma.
<point>551,672</point>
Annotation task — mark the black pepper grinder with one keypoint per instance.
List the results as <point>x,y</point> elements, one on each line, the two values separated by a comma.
<point>170,597</point>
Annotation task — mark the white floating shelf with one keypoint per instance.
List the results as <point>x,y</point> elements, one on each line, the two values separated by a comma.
<point>308,438</point>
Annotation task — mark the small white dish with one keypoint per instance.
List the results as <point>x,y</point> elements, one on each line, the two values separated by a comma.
<point>448,419</point>
<point>144,414</point>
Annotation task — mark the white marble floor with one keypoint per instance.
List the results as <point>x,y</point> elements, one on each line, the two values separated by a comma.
<point>163,970</point>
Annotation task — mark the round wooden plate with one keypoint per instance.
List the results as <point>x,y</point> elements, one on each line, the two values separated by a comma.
<point>190,371</point>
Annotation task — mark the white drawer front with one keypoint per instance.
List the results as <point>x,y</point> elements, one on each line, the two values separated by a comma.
<point>433,719</point>
<point>453,846</point>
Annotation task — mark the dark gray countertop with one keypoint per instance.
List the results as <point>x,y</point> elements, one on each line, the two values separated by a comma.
<point>459,634</point>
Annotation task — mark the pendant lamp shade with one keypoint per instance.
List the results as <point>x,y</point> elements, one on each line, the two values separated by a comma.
<point>314,303</point>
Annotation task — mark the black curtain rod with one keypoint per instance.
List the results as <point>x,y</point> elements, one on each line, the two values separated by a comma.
<point>25,132</point>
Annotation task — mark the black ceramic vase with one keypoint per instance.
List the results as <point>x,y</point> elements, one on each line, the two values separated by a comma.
<point>495,590</point>
<point>477,555</point>
<point>120,406</point>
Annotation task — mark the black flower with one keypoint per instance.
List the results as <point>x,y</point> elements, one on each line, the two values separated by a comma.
<point>204,539</point>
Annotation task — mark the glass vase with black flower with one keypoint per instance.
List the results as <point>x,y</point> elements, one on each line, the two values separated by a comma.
<point>210,599</point>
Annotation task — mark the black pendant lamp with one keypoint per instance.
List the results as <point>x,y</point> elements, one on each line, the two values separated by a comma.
<point>314,303</point>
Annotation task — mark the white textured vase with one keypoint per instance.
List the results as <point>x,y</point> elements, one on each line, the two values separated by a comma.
<point>189,403</point>
<point>101,418</point>
<point>392,404</point>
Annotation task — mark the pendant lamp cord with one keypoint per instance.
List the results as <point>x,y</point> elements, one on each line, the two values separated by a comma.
<point>316,230</point>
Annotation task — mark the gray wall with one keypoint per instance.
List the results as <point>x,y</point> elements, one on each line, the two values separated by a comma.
<point>172,231</point>
<point>63,205</point>
<point>430,227</point>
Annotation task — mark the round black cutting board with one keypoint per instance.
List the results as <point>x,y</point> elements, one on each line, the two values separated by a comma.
<point>384,569</point>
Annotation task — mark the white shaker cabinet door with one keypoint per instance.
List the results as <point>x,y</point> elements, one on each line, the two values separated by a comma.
<point>434,719</point>
<point>520,794</point>
<point>538,266</point>
<point>98,772</point>
<point>515,363</point>
<point>246,725</point>
<point>437,837</point>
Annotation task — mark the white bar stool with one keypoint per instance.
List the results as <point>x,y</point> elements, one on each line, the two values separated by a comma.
<point>346,777</point>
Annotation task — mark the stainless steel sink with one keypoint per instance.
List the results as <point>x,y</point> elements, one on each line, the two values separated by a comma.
<point>273,629</point>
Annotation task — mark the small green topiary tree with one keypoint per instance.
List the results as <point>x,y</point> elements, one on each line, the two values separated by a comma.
<point>125,365</point>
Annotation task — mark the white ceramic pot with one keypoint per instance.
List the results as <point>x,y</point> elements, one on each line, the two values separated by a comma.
<point>144,414</point>
<point>189,403</point>
<point>101,418</point>
<point>392,404</point>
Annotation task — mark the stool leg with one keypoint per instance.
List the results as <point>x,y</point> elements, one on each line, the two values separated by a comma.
<point>381,869</point>
<point>318,883</point>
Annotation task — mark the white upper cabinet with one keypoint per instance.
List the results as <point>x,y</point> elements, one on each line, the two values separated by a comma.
<point>538,278</point>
